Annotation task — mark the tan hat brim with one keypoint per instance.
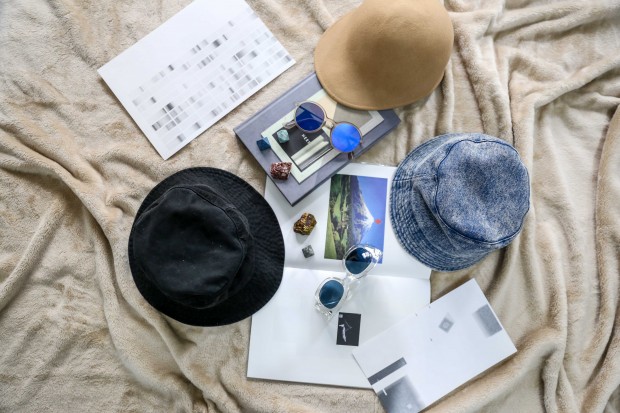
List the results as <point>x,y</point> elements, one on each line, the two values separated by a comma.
<point>348,85</point>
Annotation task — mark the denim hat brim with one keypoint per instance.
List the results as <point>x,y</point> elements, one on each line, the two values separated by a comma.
<point>268,244</point>
<point>408,210</point>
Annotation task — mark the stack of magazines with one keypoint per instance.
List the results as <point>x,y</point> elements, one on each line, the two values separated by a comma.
<point>312,157</point>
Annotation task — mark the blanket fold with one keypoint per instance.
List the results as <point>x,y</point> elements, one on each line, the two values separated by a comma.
<point>76,335</point>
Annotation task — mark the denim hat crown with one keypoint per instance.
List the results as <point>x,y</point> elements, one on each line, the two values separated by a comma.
<point>458,197</point>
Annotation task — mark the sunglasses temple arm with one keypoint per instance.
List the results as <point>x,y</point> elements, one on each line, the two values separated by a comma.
<point>359,150</point>
<point>353,154</point>
<point>289,125</point>
<point>329,123</point>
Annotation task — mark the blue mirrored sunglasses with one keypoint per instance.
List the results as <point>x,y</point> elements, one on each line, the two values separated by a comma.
<point>311,117</point>
<point>333,291</point>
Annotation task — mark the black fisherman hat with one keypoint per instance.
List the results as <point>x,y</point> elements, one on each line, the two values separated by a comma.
<point>206,248</point>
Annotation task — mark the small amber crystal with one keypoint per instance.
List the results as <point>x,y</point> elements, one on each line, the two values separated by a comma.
<point>305,224</point>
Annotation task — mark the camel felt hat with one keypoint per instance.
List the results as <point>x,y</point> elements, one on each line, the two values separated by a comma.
<point>205,248</point>
<point>458,197</point>
<point>385,53</point>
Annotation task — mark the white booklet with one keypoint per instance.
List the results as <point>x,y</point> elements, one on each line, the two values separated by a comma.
<point>292,341</point>
<point>195,68</point>
<point>435,350</point>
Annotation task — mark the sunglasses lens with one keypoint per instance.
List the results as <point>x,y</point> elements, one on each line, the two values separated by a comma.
<point>331,293</point>
<point>309,116</point>
<point>358,260</point>
<point>345,137</point>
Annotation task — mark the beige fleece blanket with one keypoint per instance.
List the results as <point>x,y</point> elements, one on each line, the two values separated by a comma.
<point>76,335</point>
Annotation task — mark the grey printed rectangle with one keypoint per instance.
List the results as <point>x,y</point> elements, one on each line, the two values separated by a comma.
<point>386,371</point>
<point>400,396</point>
<point>447,323</point>
<point>487,320</point>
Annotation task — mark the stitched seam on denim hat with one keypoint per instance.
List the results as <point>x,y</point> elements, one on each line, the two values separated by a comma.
<point>457,232</point>
<point>422,236</point>
<point>224,210</point>
<point>414,152</point>
<point>427,259</point>
<point>418,176</point>
<point>436,254</point>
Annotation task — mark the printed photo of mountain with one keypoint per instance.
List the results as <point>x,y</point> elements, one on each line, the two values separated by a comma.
<point>356,213</point>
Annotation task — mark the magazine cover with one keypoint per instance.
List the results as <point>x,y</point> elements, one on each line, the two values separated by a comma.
<point>289,339</point>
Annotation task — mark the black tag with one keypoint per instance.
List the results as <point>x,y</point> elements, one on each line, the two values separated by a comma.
<point>348,333</point>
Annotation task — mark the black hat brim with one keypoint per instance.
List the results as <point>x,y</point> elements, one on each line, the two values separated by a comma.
<point>268,248</point>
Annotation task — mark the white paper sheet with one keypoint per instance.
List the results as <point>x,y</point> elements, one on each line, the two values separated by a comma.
<point>292,341</point>
<point>194,69</point>
<point>438,348</point>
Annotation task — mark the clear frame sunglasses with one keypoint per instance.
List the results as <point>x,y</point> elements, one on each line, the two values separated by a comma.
<point>332,293</point>
<point>311,117</point>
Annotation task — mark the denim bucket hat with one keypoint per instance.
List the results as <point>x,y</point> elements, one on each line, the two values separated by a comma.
<point>458,197</point>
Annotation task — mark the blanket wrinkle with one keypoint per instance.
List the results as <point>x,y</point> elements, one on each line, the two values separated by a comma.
<point>74,168</point>
<point>608,258</point>
<point>491,96</point>
<point>43,233</point>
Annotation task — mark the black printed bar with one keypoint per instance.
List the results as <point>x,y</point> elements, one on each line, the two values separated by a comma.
<point>387,371</point>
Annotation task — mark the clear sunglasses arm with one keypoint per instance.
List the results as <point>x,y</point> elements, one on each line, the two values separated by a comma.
<point>291,124</point>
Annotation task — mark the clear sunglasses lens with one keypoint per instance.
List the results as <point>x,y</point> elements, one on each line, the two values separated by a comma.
<point>309,116</point>
<point>331,293</point>
<point>345,137</point>
<point>358,260</point>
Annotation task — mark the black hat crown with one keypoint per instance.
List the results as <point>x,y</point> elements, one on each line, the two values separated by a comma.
<point>194,246</point>
<point>205,248</point>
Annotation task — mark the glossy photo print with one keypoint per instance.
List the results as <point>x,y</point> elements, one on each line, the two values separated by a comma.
<point>356,214</point>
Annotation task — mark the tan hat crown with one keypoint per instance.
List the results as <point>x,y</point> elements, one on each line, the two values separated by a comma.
<point>385,53</point>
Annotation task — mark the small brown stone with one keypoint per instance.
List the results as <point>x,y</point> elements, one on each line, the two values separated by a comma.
<point>281,170</point>
<point>305,224</point>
